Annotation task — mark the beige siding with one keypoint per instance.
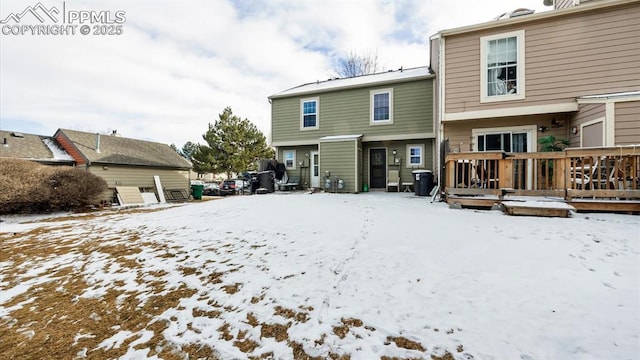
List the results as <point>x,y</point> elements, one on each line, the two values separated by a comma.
<point>346,112</point>
<point>141,177</point>
<point>565,57</point>
<point>627,123</point>
<point>586,113</point>
<point>340,158</point>
<point>460,137</point>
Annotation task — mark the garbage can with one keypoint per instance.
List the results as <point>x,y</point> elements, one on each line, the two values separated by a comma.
<point>422,182</point>
<point>265,179</point>
<point>196,191</point>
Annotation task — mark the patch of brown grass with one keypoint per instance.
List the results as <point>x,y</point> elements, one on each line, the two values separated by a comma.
<point>447,356</point>
<point>405,343</point>
<point>277,331</point>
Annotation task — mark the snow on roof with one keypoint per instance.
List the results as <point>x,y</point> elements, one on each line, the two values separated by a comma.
<point>340,137</point>
<point>358,81</point>
<point>612,95</point>
<point>58,153</point>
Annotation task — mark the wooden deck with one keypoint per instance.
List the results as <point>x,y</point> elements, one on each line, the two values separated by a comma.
<point>593,179</point>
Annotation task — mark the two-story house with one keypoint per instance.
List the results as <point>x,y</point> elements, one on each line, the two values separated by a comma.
<point>356,129</point>
<point>572,72</point>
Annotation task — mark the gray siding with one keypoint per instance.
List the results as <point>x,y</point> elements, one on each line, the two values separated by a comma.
<point>340,157</point>
<point>586,53</point>
<point>346,112</point>
<point>627,123</point>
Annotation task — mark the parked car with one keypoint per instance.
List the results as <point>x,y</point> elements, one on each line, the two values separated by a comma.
<point>211,189</point>
<point>228,187</point>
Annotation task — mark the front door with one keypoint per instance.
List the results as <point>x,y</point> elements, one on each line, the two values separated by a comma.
<point>377,168</point>
<point>314,169</point>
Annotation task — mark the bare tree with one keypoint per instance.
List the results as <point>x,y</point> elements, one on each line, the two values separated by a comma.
<point>354,64</point>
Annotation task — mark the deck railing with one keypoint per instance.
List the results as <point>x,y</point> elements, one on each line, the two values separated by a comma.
<point>612,172</point>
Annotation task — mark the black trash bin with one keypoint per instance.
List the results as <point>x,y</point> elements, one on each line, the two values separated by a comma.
<point>266,180</point>
<point>422,182</point>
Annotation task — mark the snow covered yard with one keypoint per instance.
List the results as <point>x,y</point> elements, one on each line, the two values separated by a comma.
<point>283,276</point>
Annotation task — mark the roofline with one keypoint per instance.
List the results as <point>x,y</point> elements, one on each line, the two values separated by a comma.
<point>354,86</point>
<point>533,17</point>
<point>102,163</point>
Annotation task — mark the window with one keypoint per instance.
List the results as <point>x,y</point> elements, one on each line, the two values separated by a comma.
<point>289,159</point>
<point>381,106</point>
<point>415,155</point>
<point>308,114</point>
<point>502,67</point>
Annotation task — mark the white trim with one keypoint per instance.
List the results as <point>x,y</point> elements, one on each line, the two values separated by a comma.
<point>512,111</point>
<point>295,143</point>
<point>531,129</point>
<point>398,137</point>
<point>520,64</point>
<point>312,163</point>
<point>317,101</point>
<point>592,122</point>
<point>340,138</point>
<point>284,159</point>
<point>408,164</point>
<point>372,94</point>
<point>610,124</point>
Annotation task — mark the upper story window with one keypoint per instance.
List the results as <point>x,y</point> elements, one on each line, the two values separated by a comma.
<point>502,67</point>
<point>415,155</point>
<point>289,159</point>
<point>381,106</point>
<point>309,114</point>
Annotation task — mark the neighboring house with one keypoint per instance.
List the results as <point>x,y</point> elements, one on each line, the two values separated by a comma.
<point>128,162</point>
<point>356,129</point>
<point>572,72</point>
<point>41,149</point>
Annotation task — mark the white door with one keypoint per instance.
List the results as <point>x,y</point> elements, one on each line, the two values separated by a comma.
<point>314,168</point>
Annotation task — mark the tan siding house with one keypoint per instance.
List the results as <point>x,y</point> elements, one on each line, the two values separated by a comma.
<point>357,129</point>
<point>573,72</point>
<point>126,162</point>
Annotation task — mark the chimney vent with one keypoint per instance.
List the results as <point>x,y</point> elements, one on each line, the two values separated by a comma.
<point>97,142</point>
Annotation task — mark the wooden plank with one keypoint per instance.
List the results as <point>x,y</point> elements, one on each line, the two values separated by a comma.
<point>472,202</point>
<point>612,151</point>
<point>535,211</point>
<point>474,191</point>
<point>493,155</point>
<point>505,173</point>
<point>554,193</point>
<point>129,195</point>
<point>537,155</point>
<point>628,194</point>
<point>604,206</point>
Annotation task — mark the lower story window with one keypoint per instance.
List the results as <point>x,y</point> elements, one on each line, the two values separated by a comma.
<point>289,159</point>
<point>415,155</point>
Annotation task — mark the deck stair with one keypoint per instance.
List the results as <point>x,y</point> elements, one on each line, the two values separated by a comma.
<point>537,208</point>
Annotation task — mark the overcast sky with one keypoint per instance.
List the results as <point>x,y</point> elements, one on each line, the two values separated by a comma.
<point>178,64</point>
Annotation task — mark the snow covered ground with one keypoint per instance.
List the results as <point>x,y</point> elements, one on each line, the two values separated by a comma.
<point>323,275</point>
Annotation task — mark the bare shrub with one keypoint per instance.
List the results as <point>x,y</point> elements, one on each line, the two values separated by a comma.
<point>26,186</point>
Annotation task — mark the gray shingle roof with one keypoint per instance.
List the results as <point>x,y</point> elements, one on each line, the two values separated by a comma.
<point>29,146</point>
<point>124,151</point>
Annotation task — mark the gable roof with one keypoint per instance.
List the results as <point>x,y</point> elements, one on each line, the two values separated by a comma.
<point>32,147</point>
<point>118,150</point>
<point>396,76</point>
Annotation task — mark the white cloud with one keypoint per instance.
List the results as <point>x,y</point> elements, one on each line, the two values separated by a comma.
<point>179,64</point>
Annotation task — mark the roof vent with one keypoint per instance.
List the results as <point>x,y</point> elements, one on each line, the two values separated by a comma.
<point>515,13</point>
<point>547,2</point>
<point>17,134</point>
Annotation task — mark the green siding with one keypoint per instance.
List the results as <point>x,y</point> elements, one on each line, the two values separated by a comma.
<point>401,148</point>
<point>340,158</point>
<point>301,155</point>
<point>346,112</point>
